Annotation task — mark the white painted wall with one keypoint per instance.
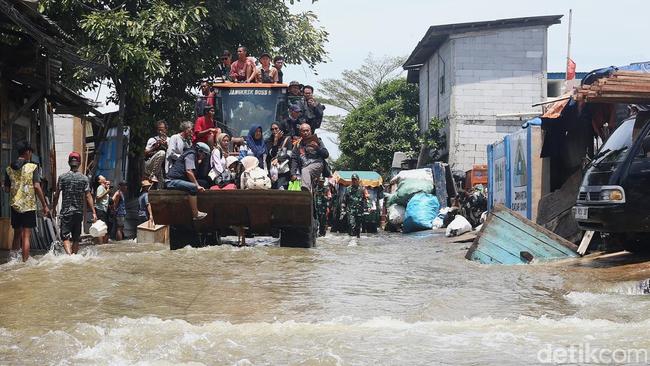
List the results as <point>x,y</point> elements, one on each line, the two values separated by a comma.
<point>63,141</point>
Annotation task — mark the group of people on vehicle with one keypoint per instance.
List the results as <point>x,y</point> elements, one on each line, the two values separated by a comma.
<point>244,70</point>
<point>203,156</point>
<point>194,162</point>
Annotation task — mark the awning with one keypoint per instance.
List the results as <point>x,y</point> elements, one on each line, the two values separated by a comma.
<point>367,178</point>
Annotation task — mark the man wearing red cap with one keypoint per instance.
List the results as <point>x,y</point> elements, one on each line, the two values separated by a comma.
<point>75,187</point>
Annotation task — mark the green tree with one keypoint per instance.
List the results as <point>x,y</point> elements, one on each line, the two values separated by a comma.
<point>382,125</point>
<point>356,86</point>
<point>158,50</point>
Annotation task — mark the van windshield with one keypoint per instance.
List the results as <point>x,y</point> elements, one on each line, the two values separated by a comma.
<point>617,146</point>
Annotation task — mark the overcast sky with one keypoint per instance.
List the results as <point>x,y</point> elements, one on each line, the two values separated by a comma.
<point>603,33</point>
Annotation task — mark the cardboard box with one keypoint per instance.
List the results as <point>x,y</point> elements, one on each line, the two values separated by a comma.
<point>156,234</point>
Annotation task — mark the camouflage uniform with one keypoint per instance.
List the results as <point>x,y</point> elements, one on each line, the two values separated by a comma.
<point>355,205</point>
<point>320,205</point>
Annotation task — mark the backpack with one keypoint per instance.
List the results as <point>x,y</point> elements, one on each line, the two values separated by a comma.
<point>256,178</point>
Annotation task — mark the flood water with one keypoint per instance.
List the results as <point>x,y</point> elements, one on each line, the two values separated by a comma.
<point>388,299</point>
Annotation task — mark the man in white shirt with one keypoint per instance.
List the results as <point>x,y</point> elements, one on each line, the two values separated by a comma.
<point>178,143</point>
<point>155,152</point>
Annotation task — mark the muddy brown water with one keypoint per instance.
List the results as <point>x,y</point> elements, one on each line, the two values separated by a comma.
<point>388,299</point>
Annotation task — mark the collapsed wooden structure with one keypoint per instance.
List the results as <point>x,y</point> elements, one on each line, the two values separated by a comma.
<point>509,238</point>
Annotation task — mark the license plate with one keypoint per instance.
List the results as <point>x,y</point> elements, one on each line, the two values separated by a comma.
<point>581,213</point>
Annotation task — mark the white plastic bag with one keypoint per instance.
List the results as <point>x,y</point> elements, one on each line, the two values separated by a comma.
<point>98,229</point>
<point>424,174</point>
<point>396,214</point>
<point>439,221</point>
<point>273,172</point>
<point>459,226</point>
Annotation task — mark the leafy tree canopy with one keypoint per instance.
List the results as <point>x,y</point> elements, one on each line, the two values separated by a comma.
<point>382,125</point>
<point>356,86</point>
<point>157,50</point>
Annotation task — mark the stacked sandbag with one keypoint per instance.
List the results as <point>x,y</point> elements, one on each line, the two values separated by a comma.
<point>422,174</point>
<point>422,208</point>
<point>407,188</point>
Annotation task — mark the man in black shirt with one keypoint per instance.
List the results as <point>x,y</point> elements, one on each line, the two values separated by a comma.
<point>278,63</point>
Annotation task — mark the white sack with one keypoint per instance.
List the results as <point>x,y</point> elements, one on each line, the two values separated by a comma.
<point>459,226</point>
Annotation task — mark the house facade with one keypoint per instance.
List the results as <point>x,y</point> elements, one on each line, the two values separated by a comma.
<point>481,79</point>
<point>32,49</point>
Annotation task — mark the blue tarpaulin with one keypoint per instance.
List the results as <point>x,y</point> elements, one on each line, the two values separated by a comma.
<point>532,122</point>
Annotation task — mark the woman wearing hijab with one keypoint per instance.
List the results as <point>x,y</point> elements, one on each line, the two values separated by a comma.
<point>278,145</point>
<point>255,144</point>
<point>218,168</point>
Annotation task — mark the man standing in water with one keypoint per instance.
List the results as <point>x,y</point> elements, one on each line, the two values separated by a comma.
<point>321,203</point>
<point>355,204</point>
<point>75,187</point>
<point>23,183</point>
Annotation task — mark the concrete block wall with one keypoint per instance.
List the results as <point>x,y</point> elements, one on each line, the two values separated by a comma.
<point>63,141</point>
<point>469,140</point>
<point>487,74</point>
<point>432,102</point>
<point>499,72</point>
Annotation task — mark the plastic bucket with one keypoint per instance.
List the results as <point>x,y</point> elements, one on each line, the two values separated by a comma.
<point>98,229</point>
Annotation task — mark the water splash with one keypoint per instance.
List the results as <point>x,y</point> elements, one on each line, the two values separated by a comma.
<point>339,341</point>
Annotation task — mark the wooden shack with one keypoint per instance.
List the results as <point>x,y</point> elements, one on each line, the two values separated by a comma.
<point>32,49</point>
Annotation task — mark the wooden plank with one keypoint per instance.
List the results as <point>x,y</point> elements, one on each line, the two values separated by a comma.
<point>538,231</point>
<point>479,256</point>
<point>630,73</point>
<point>554,204</point>
<point>584,244</point>
<point>465,238</point>
<point>515,242</point>
<point>498,256</point>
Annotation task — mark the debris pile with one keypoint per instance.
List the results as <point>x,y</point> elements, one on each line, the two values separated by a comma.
<point>621,87</point>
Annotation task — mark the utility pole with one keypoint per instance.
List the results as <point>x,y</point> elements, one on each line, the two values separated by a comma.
<point>568,50</point>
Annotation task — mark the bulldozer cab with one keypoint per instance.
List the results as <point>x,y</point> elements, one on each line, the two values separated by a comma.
<point>241,105</point>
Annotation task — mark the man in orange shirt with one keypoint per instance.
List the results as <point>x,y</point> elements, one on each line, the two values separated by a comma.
<point>242,69</point>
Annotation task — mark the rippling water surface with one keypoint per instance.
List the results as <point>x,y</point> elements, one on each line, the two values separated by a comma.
<point>386,299</point>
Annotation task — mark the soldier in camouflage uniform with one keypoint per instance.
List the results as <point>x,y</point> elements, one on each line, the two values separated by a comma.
<point>321,203</point>
<point>355,203</point>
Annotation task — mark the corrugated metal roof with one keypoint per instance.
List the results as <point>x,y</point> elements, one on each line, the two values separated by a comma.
<point>437,35</point>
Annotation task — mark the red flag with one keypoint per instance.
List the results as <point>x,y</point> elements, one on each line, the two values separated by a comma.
<point>570,69</point>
